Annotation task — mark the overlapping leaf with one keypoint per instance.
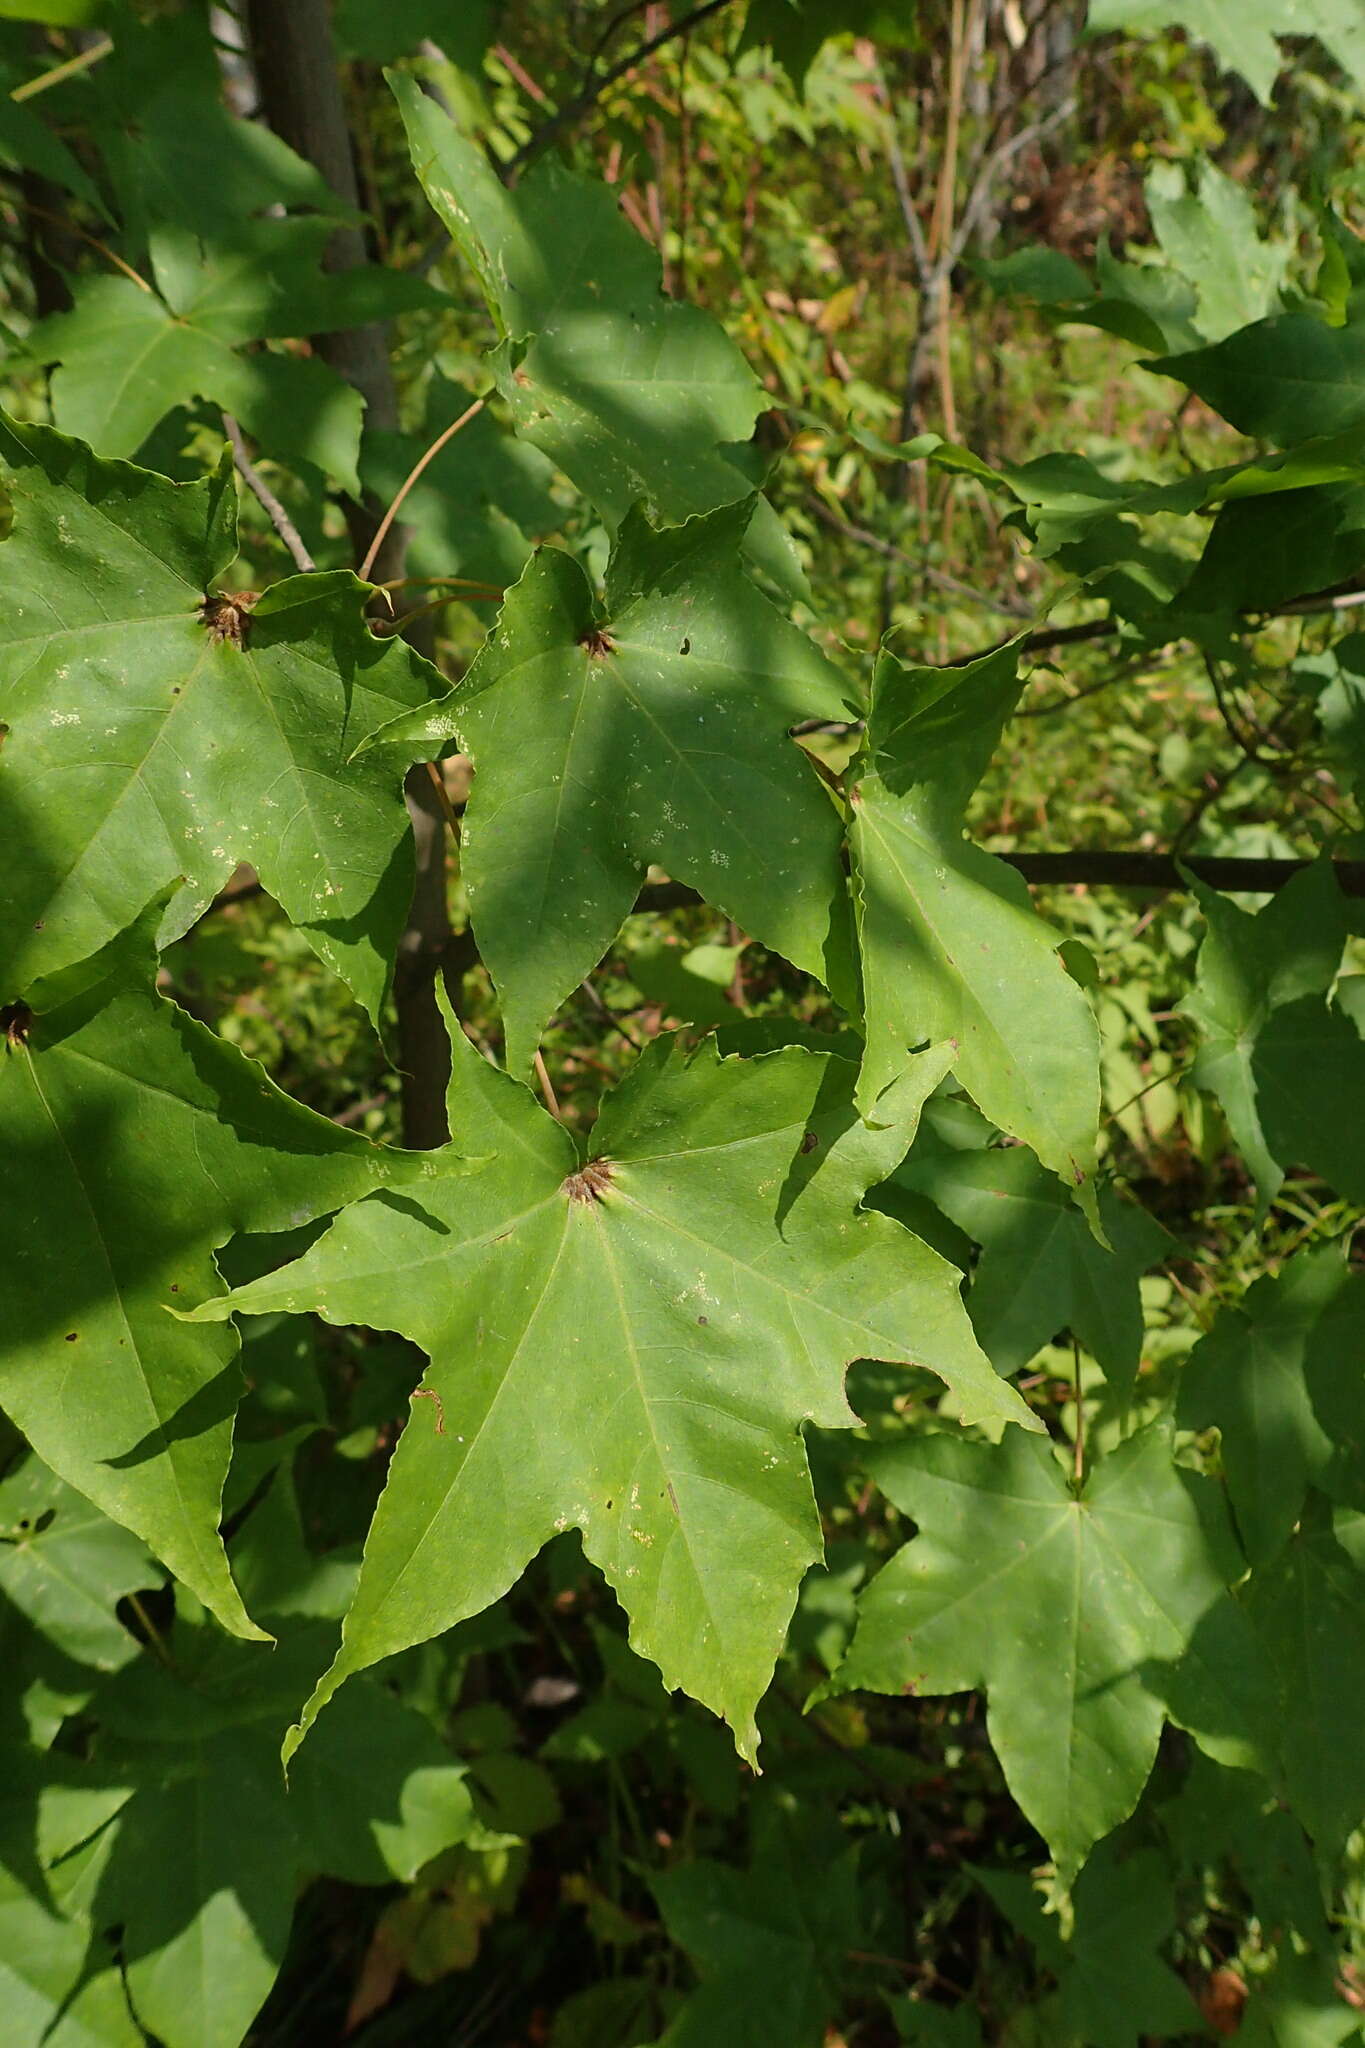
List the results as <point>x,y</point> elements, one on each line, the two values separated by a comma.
<point>66,1566</point>
<point>478,507</point>
<point>1282,1378</point>
<point>136,1142</point>
<point>1307,1608</point>
<point>630,1345</point>
<point>769,1943</point>
<point>200,1864</point>
<point>1041,1269</point>
<point>129,355</point>
<point>951,947</point>
<point>655,733</point>
<point>1114,1989</point>
<point>1283,380</point>
<point>145,744</point>
<point>635,397</point>
<point>1063,1607</point>
<point>1249,967</point>
<point>1308,1069</point>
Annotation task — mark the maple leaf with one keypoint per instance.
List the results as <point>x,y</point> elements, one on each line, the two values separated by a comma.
<point>1068,1609</point>
<point>951,946</point>
<point>629,1345</point>
<point>653,732</point>
<point>1041,1268</point>
<point>118,1111</point>
<point>1249,967</point>
<point>157,731</point>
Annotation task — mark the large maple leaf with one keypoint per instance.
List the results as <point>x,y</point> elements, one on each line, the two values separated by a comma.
<point>629,1345</point>
<point>157,732</point>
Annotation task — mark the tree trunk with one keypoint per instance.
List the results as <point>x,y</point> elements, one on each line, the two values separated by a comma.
<point>301,97</point>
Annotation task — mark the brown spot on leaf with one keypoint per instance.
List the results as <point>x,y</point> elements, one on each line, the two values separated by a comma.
<point>71,1336</point>
<point>16,1019</point>
<point>598,643</point>
<point>226,614</point>
<point>590,1182</point>
<point>810,1141</point>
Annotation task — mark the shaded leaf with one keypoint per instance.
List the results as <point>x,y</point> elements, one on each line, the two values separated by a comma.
<point>119,1108</point>
<point>1056,1604</point>
<point>769,1943</point>
<point>1041,1268</point>
<point>1255,1376</point>
<point>633,396</point>
<point>1115,1988</point>
<point>1306,1606</point>
<point>657,733</point>
<point>67,1566</point>
<point>1308,1069</point>
<point>1249,967</point>
<point>145,744</point>
<point>951,947</point>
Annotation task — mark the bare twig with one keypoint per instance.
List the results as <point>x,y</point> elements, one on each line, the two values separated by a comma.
<point>93,241</point>
<point>448,434</point>
<point>574,109</point>
<point>546,1085</point>
<point>265,497</point>
<point>82,61</point>
<point>1011,607</point>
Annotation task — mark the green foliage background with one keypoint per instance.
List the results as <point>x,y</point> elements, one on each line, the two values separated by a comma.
<point>682,1133</point>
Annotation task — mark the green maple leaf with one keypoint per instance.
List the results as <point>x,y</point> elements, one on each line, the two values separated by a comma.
<point>1063,1607</point>
<point>146,745</point>
<point>951,947</point>
<point>770,1943</point>
<point>66,1566</point>
<point>1282,380</point>
<point>118,1111</point>
<point>1041,1269</point>
<point>1211,237</point>
<point>1242,33</point>
<point>1308,1068</point>
<point>172,150</point>
<point>128,355</point>
<point>55,1991</point>
<point>630,1345</point>
<point>1114,1989</point>
<point>201,1864</point>
<point>1250,966</point>
<point>633,396</point>
<point>655,733</point>
<point>1307,1606</point>
<point>1289,1348</point>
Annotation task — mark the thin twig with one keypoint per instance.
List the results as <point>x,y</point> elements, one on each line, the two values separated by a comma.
<point>443,798</point>
<point>579,105</point>
<point>547,1085</point>
<point>82,61</point>
<point>265,497</point>
<point>69,227</point>
<point>447,434</point>
<point>1012,608</point>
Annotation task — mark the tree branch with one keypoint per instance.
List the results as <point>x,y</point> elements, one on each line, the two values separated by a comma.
<point>265,497</point>
<point>573,110</point>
